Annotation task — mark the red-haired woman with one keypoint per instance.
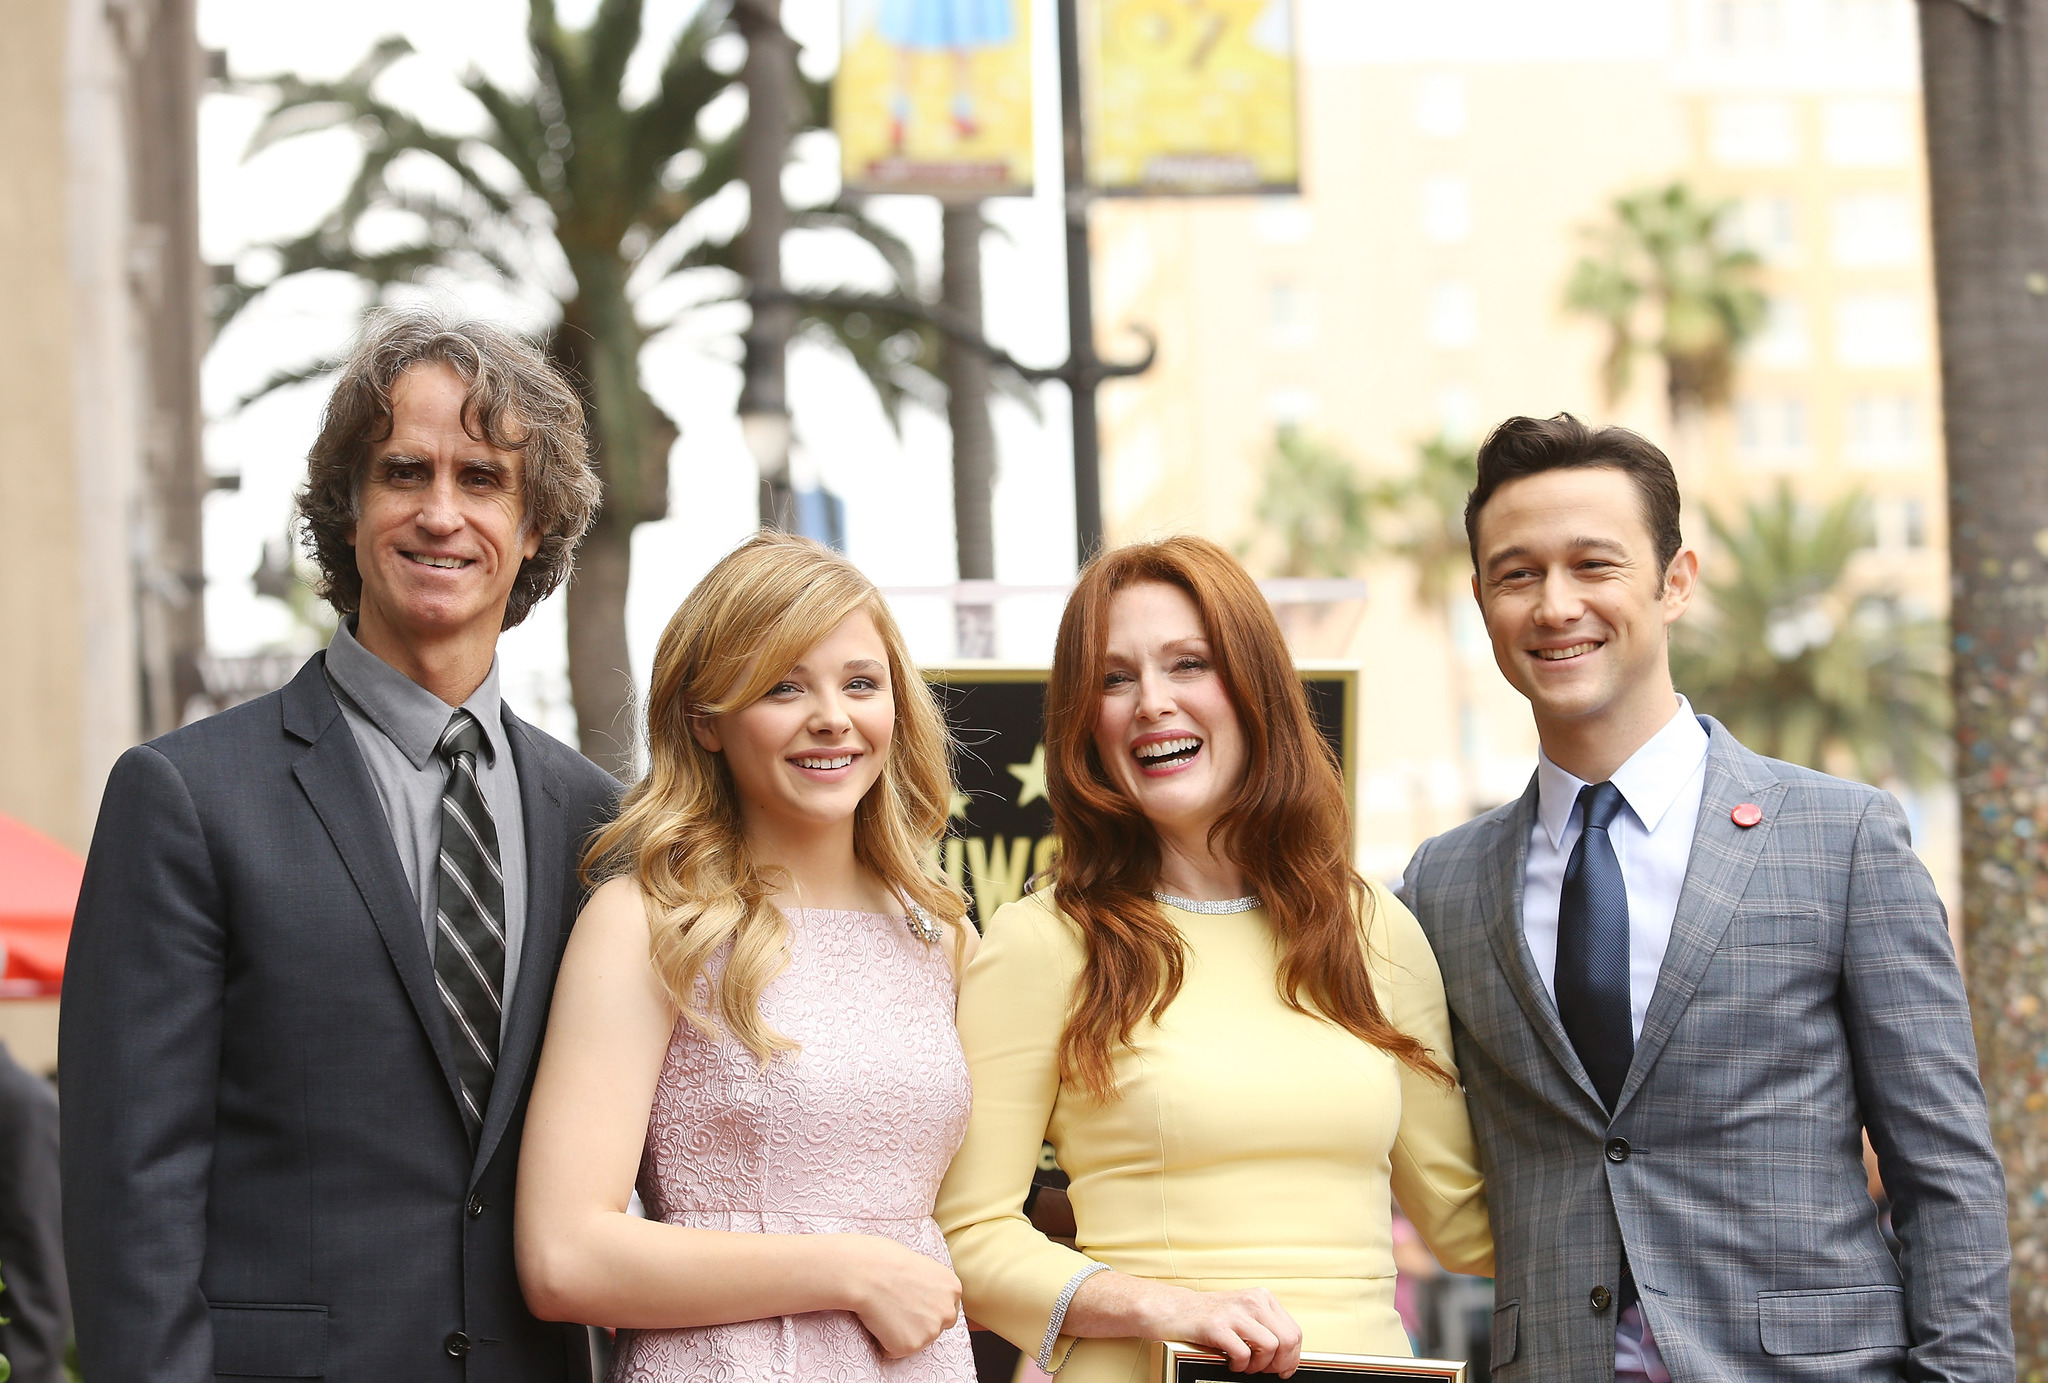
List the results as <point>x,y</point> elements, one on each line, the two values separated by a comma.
<point>1237,1046</point>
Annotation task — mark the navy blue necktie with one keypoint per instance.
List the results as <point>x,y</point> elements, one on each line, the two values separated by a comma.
<point>1592,948</point>
<point>1592,964</point>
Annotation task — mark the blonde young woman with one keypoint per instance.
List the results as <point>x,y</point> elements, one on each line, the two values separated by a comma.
<point>1238,1048</point>
<point>755,1013</point>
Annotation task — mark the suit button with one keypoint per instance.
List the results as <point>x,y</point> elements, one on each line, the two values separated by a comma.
<point>476,1203</point>
<point>1617,1151</point>
<point>457,1344</point>
<point>1601,1299</point>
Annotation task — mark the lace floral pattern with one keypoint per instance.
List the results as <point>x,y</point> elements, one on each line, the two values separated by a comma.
<point>849,1135</point>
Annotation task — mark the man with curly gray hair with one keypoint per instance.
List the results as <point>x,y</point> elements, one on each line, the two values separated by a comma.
<point>318,933</point>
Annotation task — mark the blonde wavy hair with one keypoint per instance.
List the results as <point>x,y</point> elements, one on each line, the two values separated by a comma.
<point>678,833</point>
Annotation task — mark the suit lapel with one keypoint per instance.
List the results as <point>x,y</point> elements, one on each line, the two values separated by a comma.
<point>337,783</point>
<point>1501,905</point>
<point>1724,855</point>
<point>548,864</point>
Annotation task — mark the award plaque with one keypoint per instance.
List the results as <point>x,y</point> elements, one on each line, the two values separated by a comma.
<point>1172,1363</point>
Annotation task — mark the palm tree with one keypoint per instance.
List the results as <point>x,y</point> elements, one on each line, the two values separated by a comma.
<point>1428,507</point>
<point>1985,65</point>
<point>1664,249</point>
<point>573,198</point>
<point>1314,507</point>
<point>1799,665</point>
<point>1427,513</point>
<point>1326,519</point>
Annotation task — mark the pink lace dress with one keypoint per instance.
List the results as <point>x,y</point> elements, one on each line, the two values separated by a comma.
<point>849,1135</point>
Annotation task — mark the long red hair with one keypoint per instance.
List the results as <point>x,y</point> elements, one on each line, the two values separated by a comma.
<point>1287,827</point>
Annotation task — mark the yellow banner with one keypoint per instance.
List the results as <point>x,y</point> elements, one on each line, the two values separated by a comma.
<point>1192,96</point>
<point>934,97</point>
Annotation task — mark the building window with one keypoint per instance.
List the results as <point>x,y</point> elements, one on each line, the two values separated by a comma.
<point>1874,133</point>
<point>1882,331</point>
<point>1440,105</point>
<point>1453,315</point>
<point>1754,134</point>
<point>1782,343</point>
<point>1739,26</point>
<point>1447,210</point>
<point>1283,221</point>
<point>1885,430</point>
<point>1898,524</point>
<point>1293,407</point>
<point>1875,229</point>
<point>1771,432</point>
<point>1867,24</point>
<point>1765,226</point>
<point>1457,415</point>
<point>1291,316</point>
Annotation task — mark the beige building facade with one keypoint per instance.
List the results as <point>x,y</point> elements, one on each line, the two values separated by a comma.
<point>1453,161</point>
<point>100,469</point>
<point>100,472</point>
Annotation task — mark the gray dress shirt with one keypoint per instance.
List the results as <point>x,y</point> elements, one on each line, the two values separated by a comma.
<point>397,722</point>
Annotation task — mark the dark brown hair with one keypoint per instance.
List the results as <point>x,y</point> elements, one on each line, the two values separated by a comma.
<point>1288,826</point>
<point>517,402</point>
<point>1530,446</point>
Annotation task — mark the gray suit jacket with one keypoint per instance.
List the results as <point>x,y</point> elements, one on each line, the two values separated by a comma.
<point>1810,991</point>
<point>266,1173</point>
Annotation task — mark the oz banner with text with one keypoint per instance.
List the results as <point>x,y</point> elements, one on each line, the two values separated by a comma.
<point>1001,831</point>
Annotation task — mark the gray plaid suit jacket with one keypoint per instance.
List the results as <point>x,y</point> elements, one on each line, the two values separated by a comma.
<point>1810,991</point>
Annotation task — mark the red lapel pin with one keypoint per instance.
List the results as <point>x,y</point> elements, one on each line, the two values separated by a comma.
<point>1747,815</point>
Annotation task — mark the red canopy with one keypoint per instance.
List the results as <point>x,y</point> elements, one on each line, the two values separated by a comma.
<point>38,892</point>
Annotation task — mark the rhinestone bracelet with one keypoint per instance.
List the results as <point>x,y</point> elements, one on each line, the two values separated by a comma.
<point>1059,1314</point>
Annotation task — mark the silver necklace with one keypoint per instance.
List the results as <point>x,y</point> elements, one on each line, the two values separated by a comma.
<point>1225,905</point>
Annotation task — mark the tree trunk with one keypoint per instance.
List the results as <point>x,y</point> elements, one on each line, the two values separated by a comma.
<point>598,347</point>
<point>600,670</point>
<point>1986,94</point>
<point>974,443</point>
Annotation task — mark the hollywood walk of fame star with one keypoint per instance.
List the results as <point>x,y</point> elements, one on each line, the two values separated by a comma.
<point>1032,776</point>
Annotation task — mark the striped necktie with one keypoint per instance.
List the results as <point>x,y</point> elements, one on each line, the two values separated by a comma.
<point>469,921</point>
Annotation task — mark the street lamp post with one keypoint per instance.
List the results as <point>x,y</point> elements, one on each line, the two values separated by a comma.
<point>1083,370</point>
<point>764,147</point>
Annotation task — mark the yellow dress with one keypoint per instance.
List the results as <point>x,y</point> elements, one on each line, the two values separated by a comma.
<point>1252,1146</point>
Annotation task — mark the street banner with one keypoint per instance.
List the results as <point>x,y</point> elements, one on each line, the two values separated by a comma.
<point>934,97</point>
<point>1000,837</point>
<point>1191,97</point>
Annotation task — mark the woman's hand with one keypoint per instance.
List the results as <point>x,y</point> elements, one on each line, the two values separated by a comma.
<point>1249,1327</point>
<point>903,1298</point>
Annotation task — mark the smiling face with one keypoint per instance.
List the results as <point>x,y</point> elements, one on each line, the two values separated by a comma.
<point>1166,731</point>
<point>804,753</point>
<point>439,531</point>
<point>1577,608</point>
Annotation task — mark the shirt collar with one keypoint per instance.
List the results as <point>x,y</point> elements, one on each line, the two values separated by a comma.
<point>1649,782</point>
<point>410,716</point>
